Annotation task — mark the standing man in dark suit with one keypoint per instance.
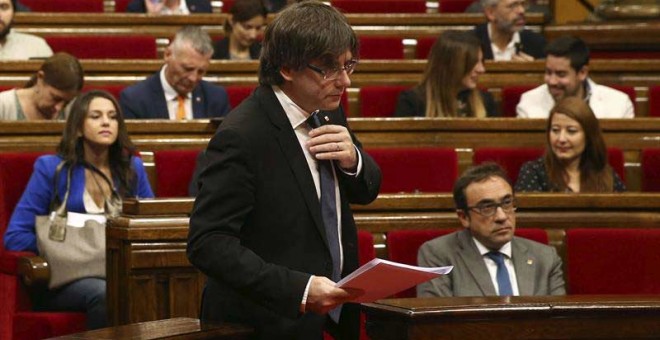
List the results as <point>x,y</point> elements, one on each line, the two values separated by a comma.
<point>488,260</point>
<point>177,91</point>
<point>504,36</point>
<point>271,226</point>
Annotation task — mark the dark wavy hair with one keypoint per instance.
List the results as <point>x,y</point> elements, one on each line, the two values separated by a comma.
<point>244,10</point>
<point>596,175</point>
<point>120,153</point>
<point>303,32</point>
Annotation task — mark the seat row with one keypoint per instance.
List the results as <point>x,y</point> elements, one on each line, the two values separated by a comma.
<point>347,6</point>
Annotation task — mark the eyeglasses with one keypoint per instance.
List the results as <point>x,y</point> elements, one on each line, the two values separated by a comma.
<point>523,3</point>
<point>488,209</point>
<point>333,73</point>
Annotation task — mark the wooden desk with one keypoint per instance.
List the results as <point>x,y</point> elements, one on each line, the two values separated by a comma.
<point>150,278</point>
<point>567,317</point>
<point>177,328</point>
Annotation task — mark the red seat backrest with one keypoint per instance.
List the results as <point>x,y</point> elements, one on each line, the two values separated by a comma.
<point>454,6</point>
<point>105,47</point>
<point>238,93</point>
<point>510,159</point>
<point>174,171</point>
<point>75,6</point>
<point>424,45</point>
<point>629,90</point>
<point>366,250</point>
<point>379,101</point>
<point>416,169</point>
<point>380,6</point>
<point>654,101</point>
<point>613,261</point>
<point>381,47</point>
<point>403,245</point>
<point>651,170</point>
<point>511,97</point>
<point>121,5</point>
<point>15,172</point>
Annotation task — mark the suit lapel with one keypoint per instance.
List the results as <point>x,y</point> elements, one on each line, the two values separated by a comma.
<point>197,99</point>
<point>293,153</point>
<point>475,263</point>
<point>159,105</point>
<point>523,263</point>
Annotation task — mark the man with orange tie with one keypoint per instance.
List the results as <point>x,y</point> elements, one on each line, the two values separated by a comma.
<point>177,91</point>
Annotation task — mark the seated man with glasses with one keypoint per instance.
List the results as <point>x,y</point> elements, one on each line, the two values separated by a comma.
<point>504,36</point>
<point>488,259</point>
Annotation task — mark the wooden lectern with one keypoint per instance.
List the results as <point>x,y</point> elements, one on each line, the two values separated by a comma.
<point>544,317</point>
<point>148,274</point>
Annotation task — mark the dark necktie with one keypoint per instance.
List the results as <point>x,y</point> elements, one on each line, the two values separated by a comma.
<point>502,273</point>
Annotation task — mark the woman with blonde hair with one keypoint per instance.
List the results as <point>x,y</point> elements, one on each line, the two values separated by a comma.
<point>449,85</point>
<point>575,159</point>
<point>47,93</point>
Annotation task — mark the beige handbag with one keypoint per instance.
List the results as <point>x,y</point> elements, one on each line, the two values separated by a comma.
<point>73,252</point>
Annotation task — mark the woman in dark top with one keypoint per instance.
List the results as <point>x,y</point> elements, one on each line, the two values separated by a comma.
<point>449,86</point>
<point>575,159</point>
<point>242,28</point>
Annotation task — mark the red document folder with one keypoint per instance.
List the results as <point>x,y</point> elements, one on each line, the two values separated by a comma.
<point>381,278</point>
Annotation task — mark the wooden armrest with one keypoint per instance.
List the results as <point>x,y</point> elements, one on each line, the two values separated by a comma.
<point>34,271</point>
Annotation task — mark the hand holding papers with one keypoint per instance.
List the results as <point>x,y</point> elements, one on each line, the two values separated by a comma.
<point>381,278</point>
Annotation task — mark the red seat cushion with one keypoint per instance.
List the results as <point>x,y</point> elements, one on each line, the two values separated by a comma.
<point>416,169</point>
<point>64,5</point>
<point>651,170</point>
<point>174,171</point>
<point>41,325</point>
<point>105,47</point>
<point>613,261</point>
<point>380,6</point>
<point>511,97</point>
<point>381,47</point>
<point>379,101</point>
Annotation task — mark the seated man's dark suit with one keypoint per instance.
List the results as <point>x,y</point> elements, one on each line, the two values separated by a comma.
<point>194,6</point>
<point>146,100</point>
<point>256,228</point>
<point>532,42</point>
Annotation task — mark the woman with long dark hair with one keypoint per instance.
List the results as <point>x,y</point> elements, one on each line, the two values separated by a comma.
<point>449,85</point>
<point>246,20</point>
<point>96,147</point>
<point>575,159</point>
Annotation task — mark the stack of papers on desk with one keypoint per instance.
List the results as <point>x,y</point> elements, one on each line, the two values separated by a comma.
<point>381,278</point>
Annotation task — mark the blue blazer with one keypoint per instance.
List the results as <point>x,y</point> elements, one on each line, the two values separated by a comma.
<point>37,196</point>
<point>194,6</point>
<point>146,100</point>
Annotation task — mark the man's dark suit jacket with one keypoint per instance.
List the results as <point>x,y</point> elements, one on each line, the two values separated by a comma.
<point>221,50</point>
<point>256,228</point>
<point>194,6</point>
<point>146,100</point>
<point>532,42</point>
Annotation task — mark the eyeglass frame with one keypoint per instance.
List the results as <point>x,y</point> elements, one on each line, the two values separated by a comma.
<point>478,209</point>
<point>335,71</point>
